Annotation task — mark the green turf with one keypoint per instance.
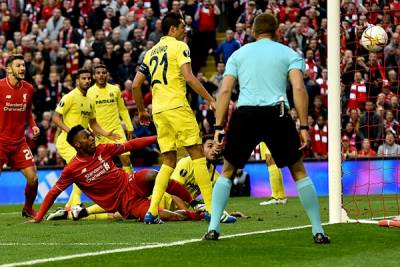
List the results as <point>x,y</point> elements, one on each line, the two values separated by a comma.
<point>353,244</point>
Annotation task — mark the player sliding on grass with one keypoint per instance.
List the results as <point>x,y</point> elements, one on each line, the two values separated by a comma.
<point>183,173</point>
<point>94,172</point>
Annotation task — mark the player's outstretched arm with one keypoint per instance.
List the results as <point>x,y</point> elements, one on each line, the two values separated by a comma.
<point>140,77</point>
<point>65,180</point>
<point>58,120</point>
<point>139,143</point>
<point>195,83</point>
<point>98,130</point>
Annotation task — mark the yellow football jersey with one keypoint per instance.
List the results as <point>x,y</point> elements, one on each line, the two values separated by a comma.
<point>163,64</point>
<point>75,109</point>
<point>184,174</point>
<point>109,107</point>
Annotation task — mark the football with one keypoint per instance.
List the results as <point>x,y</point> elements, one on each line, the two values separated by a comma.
<point>374,38</point>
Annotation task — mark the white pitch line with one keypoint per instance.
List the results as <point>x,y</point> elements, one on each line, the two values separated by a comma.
<point>148,246</point>
<point>64,244</point>
<point>9,213</point>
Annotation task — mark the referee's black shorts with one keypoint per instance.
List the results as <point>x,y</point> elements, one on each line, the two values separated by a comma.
<point>250,125</point>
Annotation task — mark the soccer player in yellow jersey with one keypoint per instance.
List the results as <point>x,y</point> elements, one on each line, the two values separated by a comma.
<point>110,109</point>
<point>278,195</point>
<point>184,174</point>
<point>168,66</point>
<point>76,108</point>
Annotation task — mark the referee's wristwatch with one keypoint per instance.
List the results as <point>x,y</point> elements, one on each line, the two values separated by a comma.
<point>218,127</point>
<point>304,127</point>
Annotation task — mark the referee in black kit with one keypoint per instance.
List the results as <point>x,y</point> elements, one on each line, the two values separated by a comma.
<point>262,69</point>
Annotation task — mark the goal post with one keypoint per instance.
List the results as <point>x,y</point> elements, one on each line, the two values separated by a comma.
<point>334,114</point>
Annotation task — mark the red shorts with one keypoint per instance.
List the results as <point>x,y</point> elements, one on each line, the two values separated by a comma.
<point>136,202</point>
<point>17,156</point>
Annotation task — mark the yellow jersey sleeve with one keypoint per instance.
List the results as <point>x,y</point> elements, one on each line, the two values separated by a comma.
<point>182,54</point>
<point>64,105</point>
<point>123,111</point>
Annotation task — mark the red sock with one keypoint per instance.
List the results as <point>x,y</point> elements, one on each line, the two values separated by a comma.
<point>176,189</point>
<point>194,216</point>
<point>30,195</point>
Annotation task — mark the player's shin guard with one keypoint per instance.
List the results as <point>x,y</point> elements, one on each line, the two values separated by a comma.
<point>160,186</point>
<point>275,179</point>
<point>75,197</point>
<point>202,178</point>
<point>309,200</point>
<point>30,194</point>
<point>221,192</point>
<point>176,189</point>
<point>94,209</point>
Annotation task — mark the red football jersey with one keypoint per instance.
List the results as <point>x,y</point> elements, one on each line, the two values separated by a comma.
<point>98,177</point>
<point>15,111</point>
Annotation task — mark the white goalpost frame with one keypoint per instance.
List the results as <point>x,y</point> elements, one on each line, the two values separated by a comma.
<point>334,107</point>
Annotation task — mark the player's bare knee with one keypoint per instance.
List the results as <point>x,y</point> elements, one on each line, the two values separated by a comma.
<point>30,175</point>
<point>125,160</point>
<point>169,158</point>
<point>151,175</point>
<point>298,170</point>
<point>195,151</point>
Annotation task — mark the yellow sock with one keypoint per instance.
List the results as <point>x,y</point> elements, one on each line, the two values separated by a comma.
<point>94,209</point>
<point>127,169</point>
<point>75,197</point>
<point>160,186</point>
<point>100,216</point>
<point>275,179</point>
<point>202,177</point>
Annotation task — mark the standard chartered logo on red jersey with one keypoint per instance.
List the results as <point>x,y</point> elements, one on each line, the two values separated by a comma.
<point>14,106</point>
<point>98,171</point>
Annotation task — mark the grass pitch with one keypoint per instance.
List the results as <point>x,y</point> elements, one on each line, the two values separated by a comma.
<point>352,244</point>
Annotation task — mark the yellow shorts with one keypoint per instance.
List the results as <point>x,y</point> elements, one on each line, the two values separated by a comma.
<point>176,128</point>
<point>104,140</point>
<point>166,202</point>
<point>65,150</point>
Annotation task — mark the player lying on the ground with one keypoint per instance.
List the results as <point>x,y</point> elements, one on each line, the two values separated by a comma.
<point>183,173</point>
<point>94,172</point>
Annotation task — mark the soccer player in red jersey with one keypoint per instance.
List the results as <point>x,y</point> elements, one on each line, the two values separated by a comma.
<point>15,112</point>
<point>95,173</point>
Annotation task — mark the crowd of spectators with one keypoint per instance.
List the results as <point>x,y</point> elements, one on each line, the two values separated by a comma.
<point>59,37</point>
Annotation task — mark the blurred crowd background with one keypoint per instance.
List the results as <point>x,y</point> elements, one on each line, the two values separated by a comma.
<point>59,37</point>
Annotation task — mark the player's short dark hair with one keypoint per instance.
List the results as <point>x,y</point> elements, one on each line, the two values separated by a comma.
<point>265,24</point>
<point>100,66</point>
<point>82,71</point>
<point>11,59</point>
<point>169,20</point>
<point>73,132</point>
<point>207,137</point>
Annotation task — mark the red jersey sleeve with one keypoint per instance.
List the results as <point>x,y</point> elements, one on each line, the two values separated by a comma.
<point>134,144</point>
<point>139,143</point>
<point>65,180</point>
